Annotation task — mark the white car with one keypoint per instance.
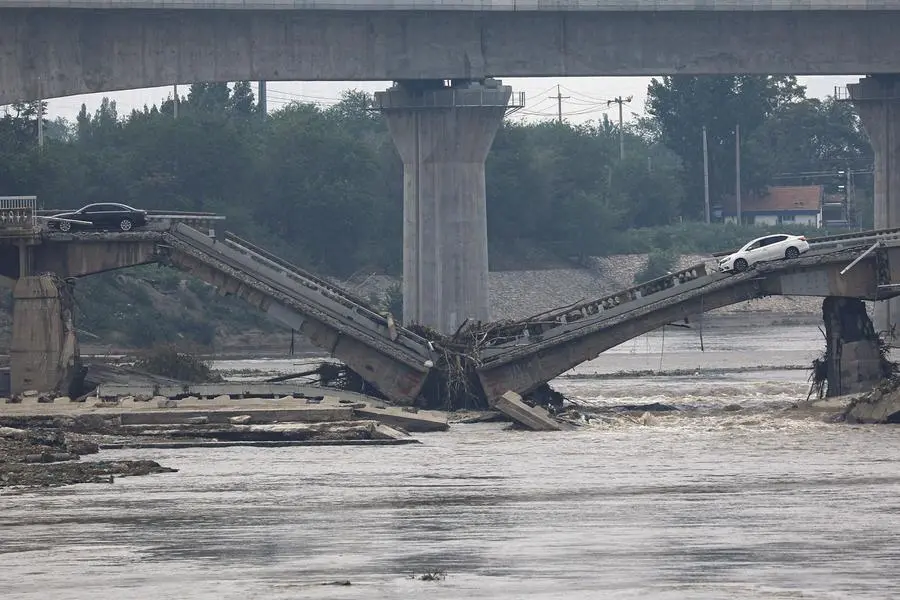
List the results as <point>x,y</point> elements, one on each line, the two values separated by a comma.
<point>771,247</point>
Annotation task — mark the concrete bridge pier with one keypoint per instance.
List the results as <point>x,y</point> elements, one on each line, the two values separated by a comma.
<point>443,133</point>
<point>877,99</point>
<point>853,361</point>
<point>43,352</point>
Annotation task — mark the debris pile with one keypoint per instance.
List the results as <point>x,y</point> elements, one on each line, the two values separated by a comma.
<point>168,360</point>
<point>454,384</point>
<point>333,375</point>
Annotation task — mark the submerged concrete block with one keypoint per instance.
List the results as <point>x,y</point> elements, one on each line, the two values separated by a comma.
<point>537,419</point>
<point>418,422</point>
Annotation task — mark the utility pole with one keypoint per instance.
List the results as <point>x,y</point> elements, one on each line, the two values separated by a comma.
<point>706,176</point>
<point>620,101</point>
<point>847,198</point>
<point>175,102</point>
<point>737,170</point>
<point>559,98</point>
<point>263,109</point>
<point>40,117</point>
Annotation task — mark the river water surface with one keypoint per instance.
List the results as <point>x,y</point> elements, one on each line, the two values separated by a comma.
<point>758,503</point>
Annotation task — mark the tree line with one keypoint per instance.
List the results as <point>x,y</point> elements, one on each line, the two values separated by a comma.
<point>323,186</point>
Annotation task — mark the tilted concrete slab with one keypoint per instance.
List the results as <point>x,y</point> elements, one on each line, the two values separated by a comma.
<point>537,419</point>
<point>311,414</point>
<point>524,365</point>
<point>404,418</point>
<point>230,389</point>
<point>392,358</point>
<point>169,445</point>
<point>395,361</point>
<point>334,406</point>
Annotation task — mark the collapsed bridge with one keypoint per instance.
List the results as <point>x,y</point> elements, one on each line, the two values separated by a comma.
<point>408,365</point>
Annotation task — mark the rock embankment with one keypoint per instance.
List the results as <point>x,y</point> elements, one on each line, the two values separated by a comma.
<point>881,405</point>
<point>47,452</point>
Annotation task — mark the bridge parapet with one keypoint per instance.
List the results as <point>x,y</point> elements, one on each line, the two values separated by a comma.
<point>544,322</point>
<point>17,216</point>
<point>160,220</point>
<point>469,5</point>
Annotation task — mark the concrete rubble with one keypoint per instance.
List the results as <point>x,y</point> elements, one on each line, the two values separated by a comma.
<point>47,453</point>
<point>881,405</point>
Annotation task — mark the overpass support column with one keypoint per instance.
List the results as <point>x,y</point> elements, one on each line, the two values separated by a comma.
<point>877,99</point>
<point>443,134</point>
<point>43,352</point>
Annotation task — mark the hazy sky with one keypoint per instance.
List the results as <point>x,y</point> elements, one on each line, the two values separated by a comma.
<point>587,96</point>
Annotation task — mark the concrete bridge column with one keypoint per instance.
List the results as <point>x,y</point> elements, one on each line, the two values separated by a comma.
<point>877,99</point>
<point>443,133</point>
<point>43,352</point>
<point>853,361</point>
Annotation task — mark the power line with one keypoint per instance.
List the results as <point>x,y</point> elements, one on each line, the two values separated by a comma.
<point>586,96</point>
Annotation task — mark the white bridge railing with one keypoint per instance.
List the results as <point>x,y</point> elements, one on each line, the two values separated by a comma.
<point>17,213</point>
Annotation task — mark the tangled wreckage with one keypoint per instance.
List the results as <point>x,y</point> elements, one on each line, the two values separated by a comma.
<point>457,362</point>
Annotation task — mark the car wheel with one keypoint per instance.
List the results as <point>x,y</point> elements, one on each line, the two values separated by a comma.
<point>791,253</point>
<point>126,224</point>
<point>65,226</point>
<point>740,265</point>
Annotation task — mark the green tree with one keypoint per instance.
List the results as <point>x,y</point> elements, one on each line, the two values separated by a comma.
<point>242,101</point>
<point>682,105</point>
<point>811,136</point>
<point>209,97</point>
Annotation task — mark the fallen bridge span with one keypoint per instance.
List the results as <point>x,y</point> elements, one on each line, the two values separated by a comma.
<point>482,361</point>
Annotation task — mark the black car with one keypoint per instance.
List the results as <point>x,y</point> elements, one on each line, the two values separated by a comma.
<point>102,216</point>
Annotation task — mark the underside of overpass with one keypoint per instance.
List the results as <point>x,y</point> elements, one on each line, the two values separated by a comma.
<point>47,53</point>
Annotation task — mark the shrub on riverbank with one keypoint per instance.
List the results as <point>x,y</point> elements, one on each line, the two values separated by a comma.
<point>169,361</point>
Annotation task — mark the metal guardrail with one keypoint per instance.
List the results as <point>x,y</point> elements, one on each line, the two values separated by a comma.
<point>448,98</point>
<point>859,236</point>
<point>276,262</point>
<point>157,220</point>
<point>255,266</point>
<point>548,321</point>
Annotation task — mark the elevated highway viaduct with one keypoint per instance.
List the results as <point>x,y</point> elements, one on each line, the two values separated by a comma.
<point>443,131</point>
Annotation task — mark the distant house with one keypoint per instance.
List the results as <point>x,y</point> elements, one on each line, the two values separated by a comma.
<point>800,204</point>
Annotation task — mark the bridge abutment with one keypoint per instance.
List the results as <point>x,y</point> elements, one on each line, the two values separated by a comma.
<point>43,352</point>
<point>853,360</point>
<point>877,99</point>
<point>443,134</point>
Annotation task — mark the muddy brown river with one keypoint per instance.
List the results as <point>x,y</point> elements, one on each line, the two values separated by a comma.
<point>764,502</point>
